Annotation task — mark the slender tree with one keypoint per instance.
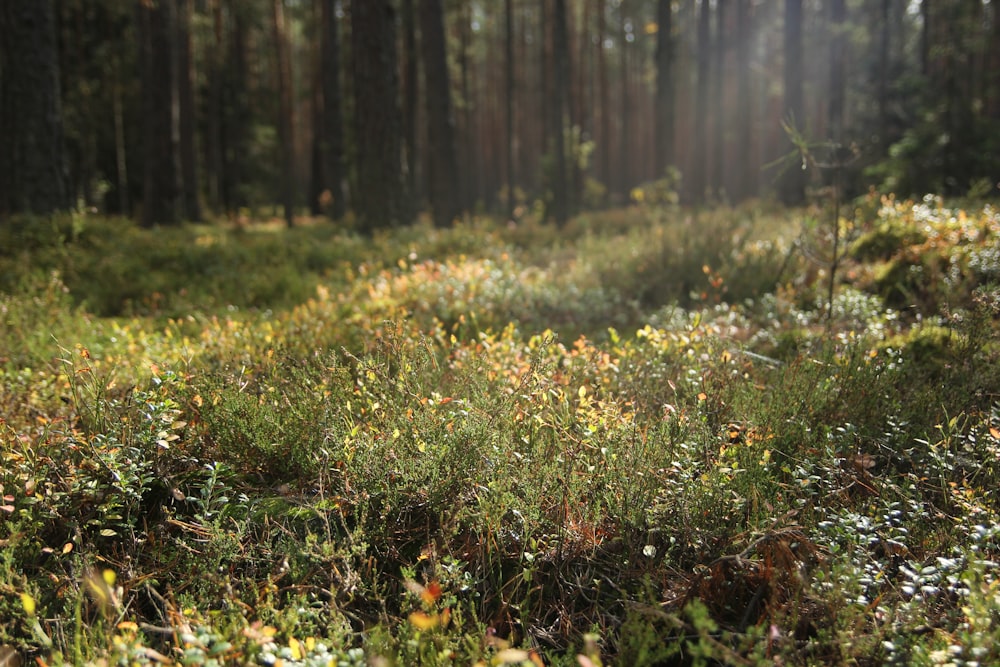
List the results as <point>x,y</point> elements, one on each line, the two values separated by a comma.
<point>332,122</point>
<point>161,179</point>
<point>560,52</point>
<point>664,111</point>
<point>286,126</point>
<point>625,156</point>
<point>377,117</point>
<point>411,95</point>
<point>745,173</point>
<point>699,168</point>
<point>838,68</point>
<point>793,183</point>
<point>604,144</point>
<point>32,176</point>
<point>443,174</point>
<point>186,113</point>
<point>508,10</point>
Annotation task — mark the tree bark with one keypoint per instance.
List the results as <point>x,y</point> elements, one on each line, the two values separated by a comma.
<point>746,174</point>
<point>793,188</point>
<point>443,174</point>
<point>838,61</point>
<point>625,121</point>
<point>699,175</point>
<point>186,110</point>
<point>604,145</point>
<point>411,95</point>
<point>161,179</point>
<point>332,122</point>
<point>560,51</point>
<point>377,117</point>
<point>664,111</point>
<point>286,128</point>
<point>508,9</point>
<point>32,169</point>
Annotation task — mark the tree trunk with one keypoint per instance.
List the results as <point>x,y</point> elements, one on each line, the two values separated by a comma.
<point>186,109</point>
<point>664,112</point>
<point>509,103</point>
<point>699,169</point>
<point>411,94</point>
<point>719,107</point>
<point>32,169</point>
<point>560,52</point>
<point>838,61</point>
<point>286,137</point>
<point>604,145</point>
<point>159,122</point>
<point>377,117</point>
<point>625,126</point>
<point>746,174</point>
<point>443,173</point>
<point>332,122</point>
<point>793,189</point>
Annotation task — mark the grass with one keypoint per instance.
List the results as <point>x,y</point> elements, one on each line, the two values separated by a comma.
<point>641,441</point>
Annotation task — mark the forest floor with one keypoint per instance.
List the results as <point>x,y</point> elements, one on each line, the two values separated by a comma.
<point>651,437</point>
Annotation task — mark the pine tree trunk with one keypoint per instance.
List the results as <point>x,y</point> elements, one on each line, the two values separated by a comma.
<point>186,109</point>
<point>332,125</point>
<point>286,137</point>
<point>161,179</point>
<point>377,116</point>
<point>32,168</point>
<point>443,174</point>
<point>664,114</point>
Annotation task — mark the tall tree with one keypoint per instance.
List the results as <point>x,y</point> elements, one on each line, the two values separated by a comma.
<point>719,106</point>
<point>560,53</point>
<point>508,10</point>
<point>443,173</point>
<point>699,168</point>
<point>377,117</point>
<point>604,144</point>
<point>793,185</point>
<point>32,177</point>
<point>838,67</point>
<point>664,111</point>
<point>624,121</point>
<point>161,179</point>
<point>332,125</point>
<point>186,113</point>
<point>745,173</point>
<point>286,126</point>
<point>411,95</point>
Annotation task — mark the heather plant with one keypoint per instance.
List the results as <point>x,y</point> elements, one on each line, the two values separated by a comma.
<point>483,445</point>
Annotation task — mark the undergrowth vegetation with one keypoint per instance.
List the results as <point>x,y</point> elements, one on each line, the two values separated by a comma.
<point>645,439</point>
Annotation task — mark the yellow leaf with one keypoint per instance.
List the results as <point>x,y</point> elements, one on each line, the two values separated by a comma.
<point>28,603</point>
<point>295,647</point>
<point>422,621</point>
<point>509,655</point>
<point>109,577</point>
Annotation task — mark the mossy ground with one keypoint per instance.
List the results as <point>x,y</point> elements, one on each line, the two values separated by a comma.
<point>645,439</point>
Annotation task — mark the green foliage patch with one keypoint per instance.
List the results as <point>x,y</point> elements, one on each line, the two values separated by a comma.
<point>627,444</point>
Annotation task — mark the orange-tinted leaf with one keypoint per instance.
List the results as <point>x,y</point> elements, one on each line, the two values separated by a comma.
<point>995,432</point>
<point>509,655</point>
<point>431,593</point>
<point>422,621</point>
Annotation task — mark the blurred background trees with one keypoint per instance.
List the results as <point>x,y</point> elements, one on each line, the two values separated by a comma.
<point>168,110</point>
